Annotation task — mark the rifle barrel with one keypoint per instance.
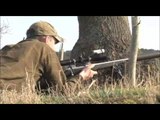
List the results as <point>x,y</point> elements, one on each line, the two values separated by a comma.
<point>112,63</point>
<point>109,63</point>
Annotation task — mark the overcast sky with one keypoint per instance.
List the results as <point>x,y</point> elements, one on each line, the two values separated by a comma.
<point>67,27</point>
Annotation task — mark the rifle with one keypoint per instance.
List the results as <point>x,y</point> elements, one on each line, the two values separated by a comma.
<point>73,70</point>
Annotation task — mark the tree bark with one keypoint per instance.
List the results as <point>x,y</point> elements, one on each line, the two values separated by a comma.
<point>111,33</point>
<point>134,50</point>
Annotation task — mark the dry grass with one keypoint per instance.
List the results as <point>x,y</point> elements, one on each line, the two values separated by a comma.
<point>146,93</point>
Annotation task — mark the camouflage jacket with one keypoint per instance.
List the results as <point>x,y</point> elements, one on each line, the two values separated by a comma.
<point>30,61</point>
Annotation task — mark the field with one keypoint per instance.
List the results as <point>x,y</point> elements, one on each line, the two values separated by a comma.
<point>146,91</point>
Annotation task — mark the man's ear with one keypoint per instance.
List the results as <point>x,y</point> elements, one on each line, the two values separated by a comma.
<point>47,40</point>
<point>44,39</point>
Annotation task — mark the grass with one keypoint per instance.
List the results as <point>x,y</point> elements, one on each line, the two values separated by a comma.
<point>147,93</point>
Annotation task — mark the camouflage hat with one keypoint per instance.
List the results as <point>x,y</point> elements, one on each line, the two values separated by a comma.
<point>43,28</point>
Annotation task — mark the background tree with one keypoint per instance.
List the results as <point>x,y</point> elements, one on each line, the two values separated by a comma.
<point>3,30</point>
<point>134,50</point>
<point>111,33</point>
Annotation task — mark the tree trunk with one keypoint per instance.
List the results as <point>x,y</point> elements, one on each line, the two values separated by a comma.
<point>111,33</point>
<point>134,50</point>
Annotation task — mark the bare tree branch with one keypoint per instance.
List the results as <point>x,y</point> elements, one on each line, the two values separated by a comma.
<point>4,29</point>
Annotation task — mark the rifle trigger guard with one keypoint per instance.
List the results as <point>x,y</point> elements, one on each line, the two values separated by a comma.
<point>70,67</point>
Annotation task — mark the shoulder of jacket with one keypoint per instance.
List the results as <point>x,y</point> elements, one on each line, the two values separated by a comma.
<point>6,47</point>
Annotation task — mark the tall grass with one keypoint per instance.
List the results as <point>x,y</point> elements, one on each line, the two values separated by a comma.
<point>146,93</point>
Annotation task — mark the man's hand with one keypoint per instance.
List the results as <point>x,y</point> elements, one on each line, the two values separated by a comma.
<point>87,73</point>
